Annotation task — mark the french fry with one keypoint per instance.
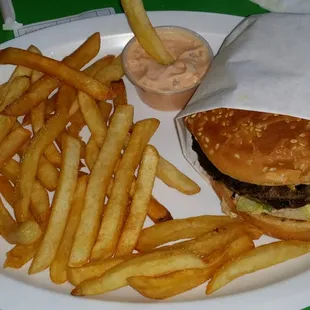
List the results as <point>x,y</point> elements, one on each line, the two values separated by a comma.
<point>175,283</point>
<point>114,215</point>
<point>56,69</point>
<point>140,201</point>
<point>174,178</point>
<point>113,72</point>
<point>21,70</point>
<point>53,155</point>
<point>44,137</point>
<point>191,227</point>
<point>93,117</point>
<point>20,255</point>
<point>47,174</point>
<point>91,152</point>
<point>39,203</point>
<point>153,264</point>
<point>77,124</point>
<point>16,89</point>
<point>119,90</point>
<point>7,223</point>
<point>259,258</point>
<point>91,270</point>
<point>210,241</point>
<point>144,31</point>
<point>157,212</point>
<point>97,186</point>
<point>60,207</point>
<point>7,190</point>
<point>40,90</point>
<point>11,144</point>
<point>58,270</point>
<point>25,233</point>
<point>105,109</point>
<point>35,75</point>
<point>38,117</point>
<point>6,124</point>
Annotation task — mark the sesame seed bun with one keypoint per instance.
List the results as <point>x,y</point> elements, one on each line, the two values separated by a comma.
<point>254,147</point>
<point>277,227</point>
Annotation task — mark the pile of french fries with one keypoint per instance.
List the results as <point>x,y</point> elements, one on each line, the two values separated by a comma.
<point>90,233</point>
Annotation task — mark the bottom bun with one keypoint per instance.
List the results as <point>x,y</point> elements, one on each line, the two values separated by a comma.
<point>277,227</point>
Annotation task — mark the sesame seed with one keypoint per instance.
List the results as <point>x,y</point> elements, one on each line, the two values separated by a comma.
<point>275,114</point>
<point>293,127</point>
<point>250,161</point>
<point>287,120</point>
<point>259,135</point>
<point>200,128</point>
<point>226,115</point>
<point>302,135</point>
<point>228,135</point>
<point>205,146</point>
<point>294,148</point>
<point>272,169</point>
<point>211,152</point>
<point>223,123</point>
<point>265,117</point>
<point>301,144</point>
<point>258,130</point>
<point>217,146</point>
<point>280,164</point>
<point>244,124</point>
<point>240,142</point>
<point>237,155</point>
<point>265,126</point>
<point>231,113</point>
<point>199,133</point>
<point>205,118</point>
<point>220,111</point>
<point>265,169</point>
<point>213,118</point>
<point>293,141</point>
<point>193,115</point>
<point>207,139</point>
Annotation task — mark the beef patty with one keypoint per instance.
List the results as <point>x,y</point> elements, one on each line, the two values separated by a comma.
<point>279,197</point>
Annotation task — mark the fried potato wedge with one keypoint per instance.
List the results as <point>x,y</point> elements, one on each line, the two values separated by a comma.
<point>60,207</point>
<point>115,212</point>
<point>144,31</point>
<point>99,179</point>
<point>153,264</point>
<point>140,201</point>
<point>6,125</point>
<point>119,90</point>
<point>178,229</point>
<point>174,178</point>
<point>58,270</point>
<point>256,259</point>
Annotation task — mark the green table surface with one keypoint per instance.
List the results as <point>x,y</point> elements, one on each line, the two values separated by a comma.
<point>37,10</point>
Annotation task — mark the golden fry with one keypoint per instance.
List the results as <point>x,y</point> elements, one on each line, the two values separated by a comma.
<point>29,166</point>
<point>157,212</point>
<point>113,72</point>
<point>174,178</point>
<point>140,201</point>
<point>191,227</point>
<point>97,186</point>
<point>144,31</point>
<point>11,144</point>
<point>58,270</point>
<point>256,259</point>
<point>153,264</point>
<point>40,90</point>
<point>60,207</point>
<point>119,90</point>
<point>114,215</point>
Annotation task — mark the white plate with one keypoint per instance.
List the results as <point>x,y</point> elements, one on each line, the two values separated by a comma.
<point>283,287</point>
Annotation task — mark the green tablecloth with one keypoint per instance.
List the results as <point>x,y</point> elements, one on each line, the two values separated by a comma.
<point>37,10</point>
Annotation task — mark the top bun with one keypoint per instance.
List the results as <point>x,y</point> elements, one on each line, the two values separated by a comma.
<point>254,147</point>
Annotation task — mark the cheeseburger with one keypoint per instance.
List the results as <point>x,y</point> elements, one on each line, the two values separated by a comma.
<point>259,166</point>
